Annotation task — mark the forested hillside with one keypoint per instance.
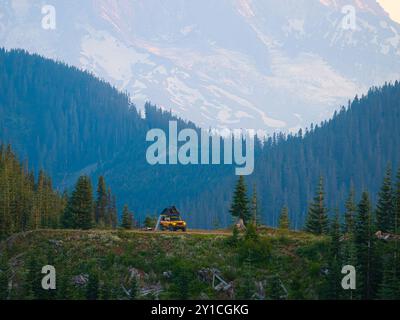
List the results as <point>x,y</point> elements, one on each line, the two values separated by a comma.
<point>352,150</point>
<point>70,123</point>
<point>60,118</point>
<point>26,203</point>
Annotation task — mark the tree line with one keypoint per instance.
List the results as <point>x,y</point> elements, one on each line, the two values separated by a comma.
<point>29,203</point>
<point>362,236</point>
<point>26,203</point>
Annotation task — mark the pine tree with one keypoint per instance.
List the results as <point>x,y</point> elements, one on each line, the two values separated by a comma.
<point>384,210</point>
<point>254,207</point>
<point>363,237</point>
<point>112,212</point>
<point>350,213</point>
<point>5,210</point>
<point>390,287</point>
<point>317,219</point>
<point>101,204</point>
<point>67,218</point>
<point>24,204</point>
<point>240,202</point>
<point>284,222</point>
<point>80,206</point>
<point>335,260</point>
<point>127,218</point>
<point>33,280</point>
<point>335,247</point>
<point>396,205</point>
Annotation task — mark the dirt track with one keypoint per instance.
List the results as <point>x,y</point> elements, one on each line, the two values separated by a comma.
<point>192,231</point>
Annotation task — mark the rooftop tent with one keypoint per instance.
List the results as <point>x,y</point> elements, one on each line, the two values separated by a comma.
<point>170,211</point>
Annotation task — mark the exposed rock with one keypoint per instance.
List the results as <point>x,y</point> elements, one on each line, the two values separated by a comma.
<point>136,273</point>
<point>152,289</point>
<point>387,236</point>
<point>57,243</point>
<point>80,280</point>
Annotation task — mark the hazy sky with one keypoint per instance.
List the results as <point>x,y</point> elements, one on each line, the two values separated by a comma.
<point>392,7</point>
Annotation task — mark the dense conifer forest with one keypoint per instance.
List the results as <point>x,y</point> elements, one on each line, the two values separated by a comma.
<point>70,123</point>
<point>26,202</point>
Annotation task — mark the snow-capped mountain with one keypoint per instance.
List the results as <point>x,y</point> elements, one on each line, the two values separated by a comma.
<point>262,64</point>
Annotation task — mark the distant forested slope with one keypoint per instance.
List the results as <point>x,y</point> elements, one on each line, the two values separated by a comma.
<point>59,117</point>
<point>353,149</point>
<point>68,122</point>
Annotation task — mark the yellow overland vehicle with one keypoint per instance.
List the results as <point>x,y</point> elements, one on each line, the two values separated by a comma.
<point>170,219</point>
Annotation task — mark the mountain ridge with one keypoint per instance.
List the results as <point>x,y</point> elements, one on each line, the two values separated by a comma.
<point>236,64</point>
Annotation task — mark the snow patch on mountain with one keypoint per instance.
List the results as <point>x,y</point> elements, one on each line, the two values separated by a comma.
<point>261,64</point>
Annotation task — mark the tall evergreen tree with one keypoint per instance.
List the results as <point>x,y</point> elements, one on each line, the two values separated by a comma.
<point>254,207</point>
<point>127,218</point>
<point>24,204</point>
<point>350,212</point>
<point>384,210</point>
<point>390,286</point>
<point>334,289</point>
<point>396,205</point>
<point>101,204</point>
<point>335,246</point>
<point>240,202</point>
<point>317,219</point>
<point>363,237</point>
<point>112,212</point>
<point>284,222</point>
<point>80,206</point>
<point>33,279</point>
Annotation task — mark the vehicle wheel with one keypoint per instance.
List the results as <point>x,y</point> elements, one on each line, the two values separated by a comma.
<point>183,229</point>
<point>171,229</point>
